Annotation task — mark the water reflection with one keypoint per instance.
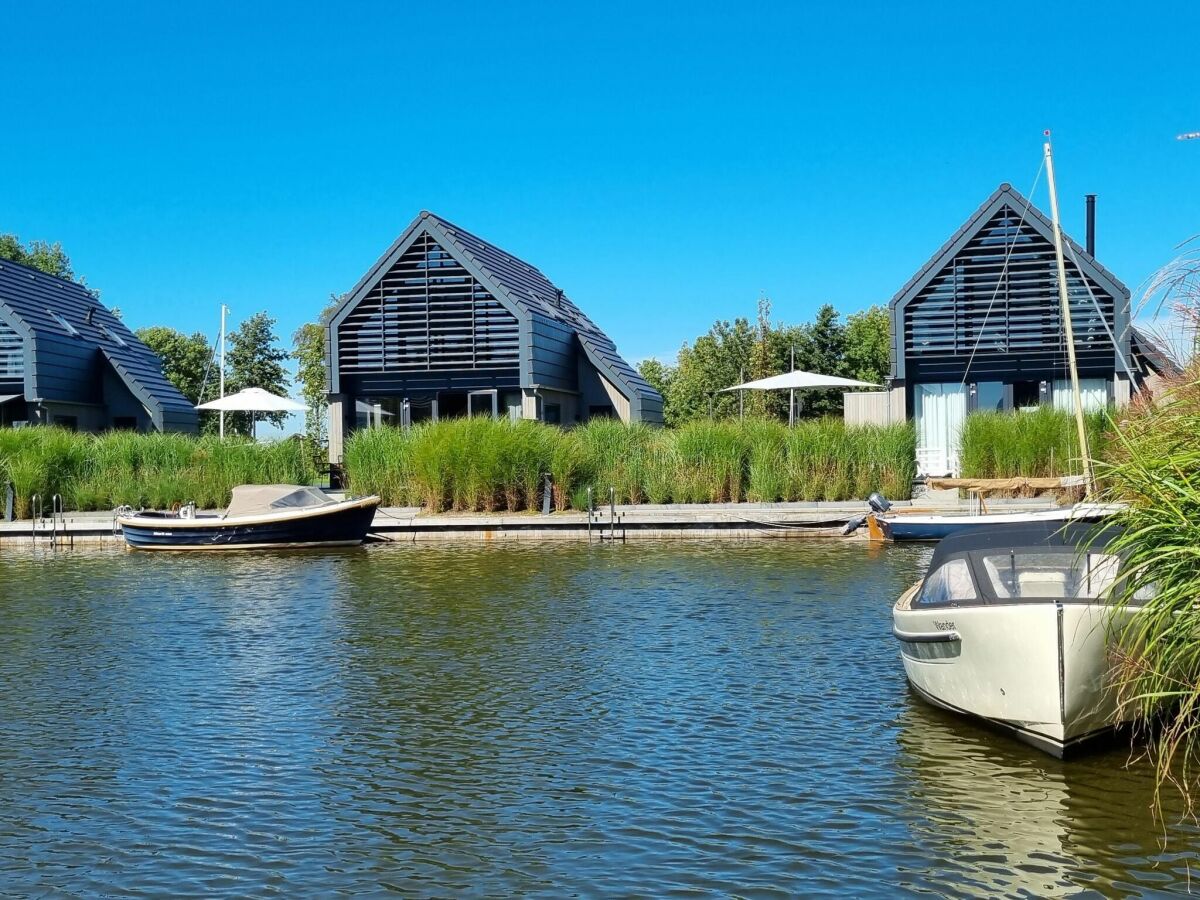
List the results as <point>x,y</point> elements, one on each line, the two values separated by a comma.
<point>1005,817</point>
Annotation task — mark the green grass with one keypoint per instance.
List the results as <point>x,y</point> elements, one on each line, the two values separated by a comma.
<point>98,472</point>
<point>484,465</point>
<point>1041,443</point>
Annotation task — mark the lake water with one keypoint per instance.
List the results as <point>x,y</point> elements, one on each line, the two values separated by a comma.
<point>455,720</point>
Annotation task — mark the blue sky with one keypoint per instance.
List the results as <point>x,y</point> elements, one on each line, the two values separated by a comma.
<point>665,165</point>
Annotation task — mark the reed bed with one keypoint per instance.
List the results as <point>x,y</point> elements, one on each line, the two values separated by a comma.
<point>485,465</point>
<point>97,472</point>
<point>1154,465</point>
<point>1041,443</point>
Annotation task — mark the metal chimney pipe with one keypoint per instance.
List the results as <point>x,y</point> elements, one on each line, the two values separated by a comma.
<point>1091,224</point>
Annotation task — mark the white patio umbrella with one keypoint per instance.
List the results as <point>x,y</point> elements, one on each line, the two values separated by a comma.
<point>253,400</point>
<point>797,381</point>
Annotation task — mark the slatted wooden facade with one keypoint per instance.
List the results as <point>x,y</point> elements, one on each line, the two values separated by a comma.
<point>12,354</point>
<point>986,307</point>
<point>428,313</point>
<point>995,308</point>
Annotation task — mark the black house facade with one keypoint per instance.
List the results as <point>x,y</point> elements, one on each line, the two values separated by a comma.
<point>980,327</point>
<point>66,360</point>
<point>446,324</point>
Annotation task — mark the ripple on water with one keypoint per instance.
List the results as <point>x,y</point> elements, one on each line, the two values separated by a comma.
<point>682,718</point>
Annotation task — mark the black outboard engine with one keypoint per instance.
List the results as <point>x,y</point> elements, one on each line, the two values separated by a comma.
<point>879,504</point>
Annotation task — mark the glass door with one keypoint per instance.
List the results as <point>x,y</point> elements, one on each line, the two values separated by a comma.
<point>940,410</point>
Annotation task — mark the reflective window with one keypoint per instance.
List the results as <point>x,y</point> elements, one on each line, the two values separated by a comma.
<point>1048,575</point>
<point>989,396</point>
<point>950,583</point>
<point>63,323</point>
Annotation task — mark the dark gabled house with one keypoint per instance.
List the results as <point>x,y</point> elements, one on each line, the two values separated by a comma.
<point>446,324</point>
<point>979,327</point>
<point>66,360</point>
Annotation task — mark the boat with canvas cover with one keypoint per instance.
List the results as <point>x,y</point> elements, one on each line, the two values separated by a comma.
<point>260,516</point>
<point>1013,624</point>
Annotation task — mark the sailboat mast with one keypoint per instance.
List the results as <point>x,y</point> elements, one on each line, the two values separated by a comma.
<point>1084,449</point>
<point>221,426</point>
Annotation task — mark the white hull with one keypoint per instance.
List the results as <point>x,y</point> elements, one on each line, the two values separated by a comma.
<point>1036,668</point>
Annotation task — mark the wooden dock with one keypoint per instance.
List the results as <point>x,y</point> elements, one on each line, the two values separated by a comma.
<point>737,521</point>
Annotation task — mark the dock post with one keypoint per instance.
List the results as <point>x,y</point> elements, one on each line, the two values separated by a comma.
<point>10,496</point>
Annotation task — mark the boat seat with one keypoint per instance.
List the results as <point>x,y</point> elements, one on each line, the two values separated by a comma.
<point>1042,584</point>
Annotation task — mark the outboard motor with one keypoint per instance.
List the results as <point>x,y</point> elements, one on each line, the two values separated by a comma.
<point>854,524</point>
<point>879,504</point>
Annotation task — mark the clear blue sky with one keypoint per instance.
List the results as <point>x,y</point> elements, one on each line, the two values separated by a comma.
<point>664,165</point>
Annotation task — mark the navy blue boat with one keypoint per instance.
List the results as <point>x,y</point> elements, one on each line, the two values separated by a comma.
<point>273,516</point>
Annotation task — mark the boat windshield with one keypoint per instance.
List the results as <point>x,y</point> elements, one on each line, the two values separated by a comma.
<point>1040,574</point>
<point>950,583</point>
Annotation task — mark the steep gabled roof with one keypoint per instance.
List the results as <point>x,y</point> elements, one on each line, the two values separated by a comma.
<point>32,297</point>
<point>1006,195</point>
<point>938,289</point>
<point>520,287</point>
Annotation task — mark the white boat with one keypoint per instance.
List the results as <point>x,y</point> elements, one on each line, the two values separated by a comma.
<point>1012,624</point>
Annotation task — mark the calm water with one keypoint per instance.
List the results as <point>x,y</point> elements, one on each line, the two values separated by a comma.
<point>567,720</point>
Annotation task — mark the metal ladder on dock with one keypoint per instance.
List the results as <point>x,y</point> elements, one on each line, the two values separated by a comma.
<point>54,529</point>
<point>596,519</point>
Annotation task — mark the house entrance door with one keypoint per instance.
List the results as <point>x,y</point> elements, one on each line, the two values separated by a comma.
<point>940,411</point>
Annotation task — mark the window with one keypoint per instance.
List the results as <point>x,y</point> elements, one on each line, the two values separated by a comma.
<point>951,583</point>
<point>1051,575</point>
<point>553,413</point>
<point>1027,394</point>
<point>989,396</point>
<point>63,323</point>
<point>71,423</point>
<point>124,423</point>
<point>601,412</point>
<point>112,335</point>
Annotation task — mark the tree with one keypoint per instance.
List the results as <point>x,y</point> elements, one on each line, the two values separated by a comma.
<point>48,258</point>
<point>185,358</point>
<point>716,360</point>
<point>868,344</point>
<point>255,359</point>
<point>657,374</point>
<point>308,349</point>
<point>821,348</point>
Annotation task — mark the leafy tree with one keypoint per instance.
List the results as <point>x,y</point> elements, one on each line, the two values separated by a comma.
<point>658,374</point>
<point>255,359</point>
<point>716,360</point>
<point>308,349</point>
<point>868,344</point>
<point>48,258</point>
<point>186,359</point>
<point>738,351</point>
<point>821,348</point>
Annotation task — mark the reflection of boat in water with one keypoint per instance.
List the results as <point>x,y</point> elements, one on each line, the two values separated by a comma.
<point>995,818</point>
<point>1012,625</point>
<point>272,516</point>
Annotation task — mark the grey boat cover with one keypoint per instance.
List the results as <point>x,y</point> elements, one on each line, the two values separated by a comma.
<point>263,499</point>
